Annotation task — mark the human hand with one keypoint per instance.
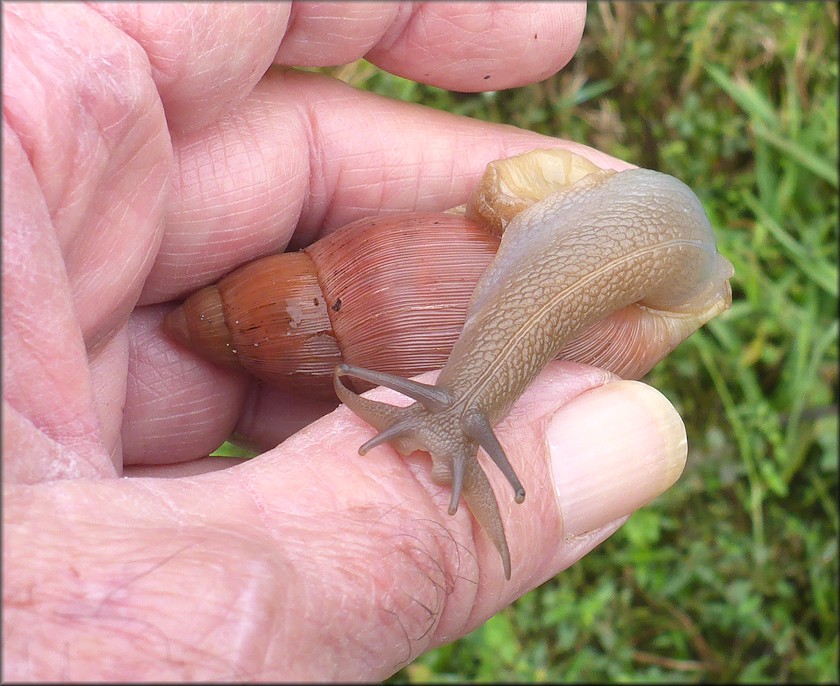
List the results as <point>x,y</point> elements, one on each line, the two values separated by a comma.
<point>127,187</point>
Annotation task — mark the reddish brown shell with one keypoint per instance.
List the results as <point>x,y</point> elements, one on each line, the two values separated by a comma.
<point>387,293</point>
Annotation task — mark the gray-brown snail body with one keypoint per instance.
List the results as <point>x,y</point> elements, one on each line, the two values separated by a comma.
<point>591,264</point>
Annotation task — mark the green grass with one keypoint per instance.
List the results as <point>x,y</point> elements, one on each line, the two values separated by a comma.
<point>732,575</point>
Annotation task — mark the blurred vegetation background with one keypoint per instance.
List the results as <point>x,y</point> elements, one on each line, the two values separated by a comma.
<point>732,575</point>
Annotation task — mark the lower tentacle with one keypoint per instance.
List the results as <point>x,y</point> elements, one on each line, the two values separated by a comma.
<point>482,504</point>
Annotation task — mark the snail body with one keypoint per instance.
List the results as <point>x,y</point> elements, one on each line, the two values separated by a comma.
<point>590,247</point>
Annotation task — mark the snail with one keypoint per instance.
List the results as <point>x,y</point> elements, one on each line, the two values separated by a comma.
<point>583,251</point>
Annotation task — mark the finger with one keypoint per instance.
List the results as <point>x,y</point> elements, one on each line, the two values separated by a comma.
<point>91,124</point>
<point>459,46</point>
<point>270,415</point>
<point>177,407</point>
<point>482,46</point>
<point>204,57</point>
<point>306,154</point>
<point>179,469</point>
<point>314,530</point>
<point>607,447</point>
<point>45,380</point>
<point>588,459</point>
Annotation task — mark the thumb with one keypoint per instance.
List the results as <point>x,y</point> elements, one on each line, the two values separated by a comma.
<point>396,575</point>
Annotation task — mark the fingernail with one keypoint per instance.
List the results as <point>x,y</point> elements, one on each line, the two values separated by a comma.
<point>614,449</point>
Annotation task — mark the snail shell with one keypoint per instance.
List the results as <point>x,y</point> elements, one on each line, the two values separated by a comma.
<point>386,293</point>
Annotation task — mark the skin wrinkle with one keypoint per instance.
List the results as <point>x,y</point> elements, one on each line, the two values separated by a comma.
<point>69,209</point>
<point>183,411</point>
<point>439,169</point>
<point>366,40</point>
<point>146,378</point>
<point>392,611</point>
<point>249,132</point>
<point>246,641</point>
<point>167,508</point>
<point>254,173</point>
<point>394,32</point>
<point>61,461</point>
<point>141,256</point>
<point>74,426</point>
<point>28,136</point>
<point>267,516</point>
<point>220,391</point>
<point>292,21</point>
<point>320,189</point>
<point>212,617</point>
<point>415,34</point>
<point>20,329</point>
<point>109,390</point>
<point>388,196</point>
